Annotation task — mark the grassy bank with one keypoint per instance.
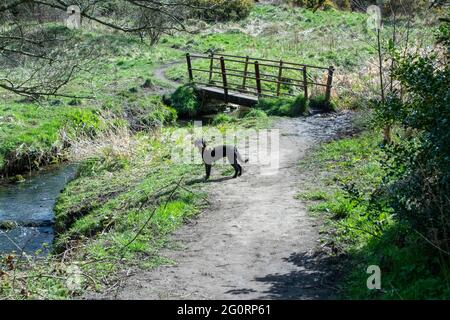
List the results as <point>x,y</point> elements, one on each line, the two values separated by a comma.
<point>32,135</point>
<point>363,231</point>
<point>129,195</point>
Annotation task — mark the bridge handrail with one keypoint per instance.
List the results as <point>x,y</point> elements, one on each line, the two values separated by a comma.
<point>258,76</point>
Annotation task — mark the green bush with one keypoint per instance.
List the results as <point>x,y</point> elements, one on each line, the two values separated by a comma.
<point>256,114</point>
<point>223,118</point>
<point>419,163</point>
<point>223,10</point>
<point>284,106</point>
<point>326,5</point>
<point>149,112</point>
<point>321,103</point>
<point>185,101</point>
<point>159,116</point>
<point>299,106</point>
<point>83,121</point>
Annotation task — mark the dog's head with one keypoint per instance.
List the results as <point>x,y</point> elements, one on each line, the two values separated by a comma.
<point>200,143</point>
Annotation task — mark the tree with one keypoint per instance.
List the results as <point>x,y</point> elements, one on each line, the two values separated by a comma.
<point>38,61</point>
<point>418,164</point>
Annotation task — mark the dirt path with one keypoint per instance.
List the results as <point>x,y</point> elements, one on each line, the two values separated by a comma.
<point>256,239</point>
<point>160,74</point>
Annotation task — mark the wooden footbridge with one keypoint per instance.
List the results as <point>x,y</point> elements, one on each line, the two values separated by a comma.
<point>243,80</point>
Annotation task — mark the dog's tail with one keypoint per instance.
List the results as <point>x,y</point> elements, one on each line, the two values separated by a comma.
<point>239,157</point>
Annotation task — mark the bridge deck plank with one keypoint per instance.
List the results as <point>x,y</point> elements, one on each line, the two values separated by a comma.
<point>233,96</point>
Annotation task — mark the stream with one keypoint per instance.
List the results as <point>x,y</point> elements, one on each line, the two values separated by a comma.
<point>26,210</point>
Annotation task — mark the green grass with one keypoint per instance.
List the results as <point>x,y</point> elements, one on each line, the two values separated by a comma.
<point>31,135</point>
<point>313,195</point>
<point>349,172</point>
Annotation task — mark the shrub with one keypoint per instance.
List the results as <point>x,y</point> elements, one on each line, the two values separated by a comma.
<point>223,10</point>
<point>159,116</point>
<point>283,106</point>
<point>299,106</point>
<point>321,103</point>
<point>256,114</point>
<point>148,113</point>
<point>223,118</point>
<point>326,5</point>
<point>185,101</point>
<point>418,167</point>
<point>83,121</point>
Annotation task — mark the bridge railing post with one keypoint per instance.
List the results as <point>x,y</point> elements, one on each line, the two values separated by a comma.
<point>305,82</point>
<point>280,74</point>
<point>258,78</point>
<point>247,58</point>
<point>224,78</point>
<point>329,83</point>
<point>189,65</point>
<point>211,65</point>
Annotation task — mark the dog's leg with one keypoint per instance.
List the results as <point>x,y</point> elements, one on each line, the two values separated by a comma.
<point>208,171</point>
<point>234,164</point>
<point>240,170</point>
<point>236,170</point>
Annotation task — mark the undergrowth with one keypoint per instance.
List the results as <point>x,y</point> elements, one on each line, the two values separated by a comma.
<point>362,227</point>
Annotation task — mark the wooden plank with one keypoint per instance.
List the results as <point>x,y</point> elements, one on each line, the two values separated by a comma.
<point>211,64</point>
<point>233,97</point>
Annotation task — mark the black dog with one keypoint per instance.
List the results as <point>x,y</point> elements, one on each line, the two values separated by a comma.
<point>210,156</point>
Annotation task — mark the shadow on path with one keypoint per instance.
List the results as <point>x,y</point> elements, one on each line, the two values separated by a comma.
<point>314,279</point>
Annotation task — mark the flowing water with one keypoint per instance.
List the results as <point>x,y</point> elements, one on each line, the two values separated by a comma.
<point>26,210</point>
